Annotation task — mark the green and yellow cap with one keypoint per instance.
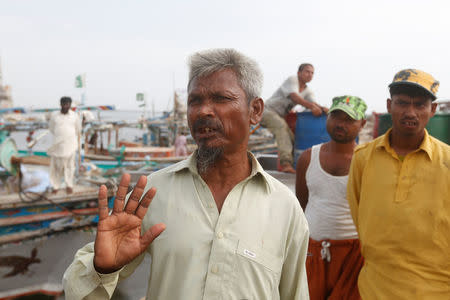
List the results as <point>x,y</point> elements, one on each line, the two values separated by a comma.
<point>354,106</point>
<point>417,78</point>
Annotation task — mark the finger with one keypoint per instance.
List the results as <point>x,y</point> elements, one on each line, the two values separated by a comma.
<point>145,202</point>
<point>152,234</point>
<point>119,201</point>
<point>136,195</point>
<point>102,203</point>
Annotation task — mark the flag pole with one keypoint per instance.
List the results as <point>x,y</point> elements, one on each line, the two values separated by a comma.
<point>80,82</point>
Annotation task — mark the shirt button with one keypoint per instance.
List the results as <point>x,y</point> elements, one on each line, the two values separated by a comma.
<point>215,269</point>
<point>220,235</point>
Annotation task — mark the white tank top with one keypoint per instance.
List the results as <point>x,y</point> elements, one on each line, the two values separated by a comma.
<point>327,211</point>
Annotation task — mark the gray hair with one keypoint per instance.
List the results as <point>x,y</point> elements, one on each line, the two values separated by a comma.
<point>248,73</point>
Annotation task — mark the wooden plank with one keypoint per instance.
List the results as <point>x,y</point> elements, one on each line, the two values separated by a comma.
<point>263,147</point>
<point>46,216</point>
<point>152,159</point>
<point>80,193</point>
<point>149,150</point>
<point>35,160</point>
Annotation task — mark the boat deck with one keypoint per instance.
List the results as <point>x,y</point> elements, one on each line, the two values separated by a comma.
<point>80,193</point>
<point>287,178</point>
<point>30,215</point>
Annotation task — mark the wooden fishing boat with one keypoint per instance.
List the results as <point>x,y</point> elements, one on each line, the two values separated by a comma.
<point>33,253</point>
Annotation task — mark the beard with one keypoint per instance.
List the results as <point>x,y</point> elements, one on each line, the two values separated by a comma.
<point>207,156</point>
<point>342,138</point>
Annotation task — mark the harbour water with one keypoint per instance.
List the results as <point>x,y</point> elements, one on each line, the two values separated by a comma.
<point>127,134</point>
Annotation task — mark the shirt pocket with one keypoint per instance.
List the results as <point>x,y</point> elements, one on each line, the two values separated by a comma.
<point>256,272</point>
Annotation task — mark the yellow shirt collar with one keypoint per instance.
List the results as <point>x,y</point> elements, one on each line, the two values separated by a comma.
<point>425,145</point>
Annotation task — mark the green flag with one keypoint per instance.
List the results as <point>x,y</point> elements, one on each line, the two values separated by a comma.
<point>80,81</point>
<point>140,97</point>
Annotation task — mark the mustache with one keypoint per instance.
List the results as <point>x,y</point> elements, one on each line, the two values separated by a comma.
<point>340,129</point>
<point>207,122</point>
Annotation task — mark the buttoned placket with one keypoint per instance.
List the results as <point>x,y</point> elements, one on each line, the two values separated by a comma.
<point>404,181</point>
<point>220,267</point>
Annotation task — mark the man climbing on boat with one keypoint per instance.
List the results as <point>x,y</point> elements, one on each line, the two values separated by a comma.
<point>334,257</point>
<point>293,91</point>
<point>65,125</point>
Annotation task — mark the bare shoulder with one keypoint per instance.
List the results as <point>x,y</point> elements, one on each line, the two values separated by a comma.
<point>304,159</point>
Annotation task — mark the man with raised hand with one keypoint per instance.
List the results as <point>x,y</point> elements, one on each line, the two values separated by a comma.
<point>218,226</point>
<point>334,257</point>
<point>399,196</point>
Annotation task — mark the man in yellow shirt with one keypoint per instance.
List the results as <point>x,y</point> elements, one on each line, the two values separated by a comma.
<point>398,191</point>
<point>218,226</point>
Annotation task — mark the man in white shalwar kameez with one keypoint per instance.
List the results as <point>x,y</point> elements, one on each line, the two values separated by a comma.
<point>65,126</point>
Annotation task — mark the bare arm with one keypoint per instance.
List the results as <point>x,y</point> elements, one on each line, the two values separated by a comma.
<point>315,109</point>
<point>301,189</point>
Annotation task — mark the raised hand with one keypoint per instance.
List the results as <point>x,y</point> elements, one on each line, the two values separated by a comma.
<point>325,109</point>
<point>316,111</point>
<point>119,239</point>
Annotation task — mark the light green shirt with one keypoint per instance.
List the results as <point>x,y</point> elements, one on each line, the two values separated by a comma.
<point>254,249</point>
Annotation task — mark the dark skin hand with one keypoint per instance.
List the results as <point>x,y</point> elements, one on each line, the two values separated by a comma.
<point>316,109</point>
<point>119,238</point>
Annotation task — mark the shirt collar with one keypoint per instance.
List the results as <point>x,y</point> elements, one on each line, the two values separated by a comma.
<point>257,170</point>
<point>425,145</point>
<point>69,112</point>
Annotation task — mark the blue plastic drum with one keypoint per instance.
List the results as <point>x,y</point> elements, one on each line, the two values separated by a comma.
<point>310,130</point>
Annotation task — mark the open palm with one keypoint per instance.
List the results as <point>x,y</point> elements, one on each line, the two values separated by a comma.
<point>119,239</point>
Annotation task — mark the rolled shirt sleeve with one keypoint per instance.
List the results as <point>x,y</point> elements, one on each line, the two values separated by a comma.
<point>82,281</point>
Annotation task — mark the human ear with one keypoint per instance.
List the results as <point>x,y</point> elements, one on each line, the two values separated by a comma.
<point>388,105</point>
<point>433,108</point>
<point>256,110</point>
<point>363,122</point>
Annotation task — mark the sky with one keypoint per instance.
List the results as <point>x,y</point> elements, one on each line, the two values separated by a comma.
<point>128,47</point>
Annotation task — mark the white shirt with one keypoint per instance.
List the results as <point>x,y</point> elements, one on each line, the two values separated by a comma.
<point>65,129</point>
<point>254,249</point>
<point>280,101</point>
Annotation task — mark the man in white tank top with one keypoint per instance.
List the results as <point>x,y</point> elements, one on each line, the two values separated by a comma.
<point>334,257</point>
